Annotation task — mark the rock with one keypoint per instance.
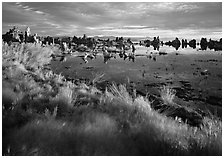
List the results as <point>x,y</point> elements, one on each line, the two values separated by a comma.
<point>214,100</point>
<point>67,67</point>
<point>154,58</point>
<point>162,53</point>
<point>205,72</point>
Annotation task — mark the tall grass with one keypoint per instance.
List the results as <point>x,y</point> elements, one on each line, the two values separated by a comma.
<point>97,78</point>
<point>30,55</point>
<point>167,94</point>
<point>46,115</point>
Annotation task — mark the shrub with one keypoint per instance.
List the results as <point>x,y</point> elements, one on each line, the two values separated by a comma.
<point>167,94</point>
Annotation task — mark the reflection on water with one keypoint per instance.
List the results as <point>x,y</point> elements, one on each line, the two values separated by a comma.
<point>203,44</point>
<point>130,57</point>
<point>122,63</point>
<point>145,67</point>
<point>149,52</point>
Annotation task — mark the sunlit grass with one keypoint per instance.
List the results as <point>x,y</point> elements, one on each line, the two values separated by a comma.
<point>167,94</point>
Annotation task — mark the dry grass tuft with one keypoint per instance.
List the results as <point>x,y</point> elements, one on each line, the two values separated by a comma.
<point>167,94</point>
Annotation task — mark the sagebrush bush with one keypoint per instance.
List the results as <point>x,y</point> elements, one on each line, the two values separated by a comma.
<point>30,55</point>
<point>167,94</point>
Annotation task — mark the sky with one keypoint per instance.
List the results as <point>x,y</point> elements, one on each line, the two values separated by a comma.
<point>128,19</point>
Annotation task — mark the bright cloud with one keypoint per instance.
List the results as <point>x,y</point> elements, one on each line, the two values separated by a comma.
<point>116,18</point>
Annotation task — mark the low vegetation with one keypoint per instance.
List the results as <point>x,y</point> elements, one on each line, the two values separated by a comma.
<point>167,94</point>
<point>43,114</point>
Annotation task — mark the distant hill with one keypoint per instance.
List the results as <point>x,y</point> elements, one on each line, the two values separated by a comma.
<point>114,37</point>
<point>104,37</point>
<point>134,39</point>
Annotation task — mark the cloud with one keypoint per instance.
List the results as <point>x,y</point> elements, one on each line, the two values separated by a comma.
<point>24,7</point>
<point>114,18</point>
<point>174,7</point>
<point>28,8</point>
<point>39,12</point>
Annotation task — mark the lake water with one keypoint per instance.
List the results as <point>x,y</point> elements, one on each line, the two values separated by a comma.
<point>181,69</point>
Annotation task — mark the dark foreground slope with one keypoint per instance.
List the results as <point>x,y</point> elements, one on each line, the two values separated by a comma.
<point>43,114</point>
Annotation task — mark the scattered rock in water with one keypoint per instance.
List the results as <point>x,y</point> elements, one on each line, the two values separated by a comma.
<point>89,67</point>
<point>143,73</point>
<point>205,72</point>
<point>139,55</point>
<point>154,58</point>
<point>210,60</point>
<point>91,56</point>
<point>169,82</point>
<point>214,100</point>
<point>155,84</point>
<point>162,53</point>
<point>149,56</point>
<point>68,67</point>
<point>213,60</point>
<point>199,60</point>
<point>157,76</point>
<point>63,59</point>
<point>186,85</point>
<point>183,93</point>
<point>198,98</point>
<point>219,75</point>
